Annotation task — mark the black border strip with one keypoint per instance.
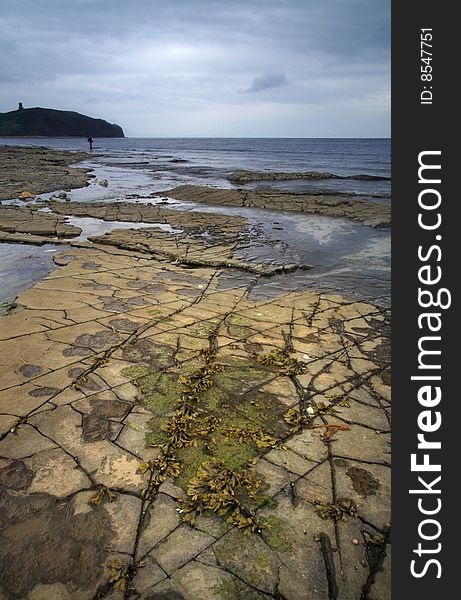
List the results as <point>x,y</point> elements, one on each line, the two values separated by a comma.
<point>417,128</point>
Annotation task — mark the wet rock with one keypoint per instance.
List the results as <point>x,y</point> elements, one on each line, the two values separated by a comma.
<point>134,436</point>
<point>165,591</point>
<point>124,325</point>
<point>42,544</point>
<point>145,351</point>
<point>204,581</point>
<point>109,408</point>
<point>98,340</point>
<point>372,213</point>
<point>15,476</point>
<point>96,427</point>
<point>77,351</point>
<point>56,474</point>
<point>137,285</point>
<point>97,286</point>
<point>179,548</point>
<point>363,481</point>
<point>17,221</point>
<point>161,519</point>
<point>39,170</point>
<point>124,514</point>
<point>242,177</point>
<point>249,559</point>
<point>290,461</point>
<point>90,384</point>
<point>75,372</point>
<point>215,339</point>
<point>43,391</point>
<point>137,301</point>
<point>115,306</point>
<point>30,370</point>
<point>147,576</point>
<point>25,441</point>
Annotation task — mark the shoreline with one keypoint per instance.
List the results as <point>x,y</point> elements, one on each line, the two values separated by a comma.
<point>367,212</point>
<point>153,374</point>
<point>39,170</point>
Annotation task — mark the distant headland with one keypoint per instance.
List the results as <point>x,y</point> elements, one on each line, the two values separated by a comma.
<point>48,122</point>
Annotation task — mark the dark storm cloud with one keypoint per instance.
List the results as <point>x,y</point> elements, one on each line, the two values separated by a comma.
<point>310,67</point>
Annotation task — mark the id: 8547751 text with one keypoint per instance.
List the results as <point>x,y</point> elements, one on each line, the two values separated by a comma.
<point>426,74</point>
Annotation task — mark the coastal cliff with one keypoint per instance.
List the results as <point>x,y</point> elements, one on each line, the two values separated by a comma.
<point>47,122</point>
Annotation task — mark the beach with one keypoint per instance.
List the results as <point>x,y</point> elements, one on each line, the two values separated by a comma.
<point>195,392</point>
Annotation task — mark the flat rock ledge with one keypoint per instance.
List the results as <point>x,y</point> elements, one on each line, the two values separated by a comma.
<point>197,240</point>
<point>189,251</point>
<point>292,393</point>
<point>242,177</point>
<point>193,222</point>
<point>367,212</point>
<point>39,170</point>
<point>27,225</point>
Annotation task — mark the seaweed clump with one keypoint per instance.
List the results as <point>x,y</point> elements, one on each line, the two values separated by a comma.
<point>104,493</point>
<point>215,484</point>
<point>256,435</point>
<point>178,429</point>
<point>121,575</point>
<point>336,511</point>
<point>297,419</point>
<point>285,364</point>
<point>223,491</point>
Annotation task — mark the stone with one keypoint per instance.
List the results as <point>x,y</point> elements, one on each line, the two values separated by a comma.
<point>196,580</point>
<point>24,441</point>
<point>290,461</point>
<point>181,546</point>
<point>120,471</point>
<point>161,519</point>
<point>133,437</point>
<point>294,532</point>
<point>55,473</point>
<point>124,513</point>
<point>148,575</point>
<point>7,423</point>
<point>249,559</point>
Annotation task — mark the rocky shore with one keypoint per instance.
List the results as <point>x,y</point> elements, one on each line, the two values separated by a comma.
<point>242,177</point>
<point>367,212</point>
<point>39,170</point>
<point>166,432</point>
<point>25,225</point>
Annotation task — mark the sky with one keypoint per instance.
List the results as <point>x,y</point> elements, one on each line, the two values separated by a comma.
<point>199,68</point>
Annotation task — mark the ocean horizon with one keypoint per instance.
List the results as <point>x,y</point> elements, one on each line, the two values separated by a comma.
<point>209,161</point>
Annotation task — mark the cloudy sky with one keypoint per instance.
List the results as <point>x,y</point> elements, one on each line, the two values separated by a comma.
<point>243,68</point>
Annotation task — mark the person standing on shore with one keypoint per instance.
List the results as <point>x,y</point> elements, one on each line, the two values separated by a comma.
<point>90,141</point>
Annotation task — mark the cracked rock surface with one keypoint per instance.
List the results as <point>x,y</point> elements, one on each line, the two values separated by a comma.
<point>367,212</point>
<point>164,435</point>
<point>242,177</point>
<point>38,170</point>
<point>30,226</point>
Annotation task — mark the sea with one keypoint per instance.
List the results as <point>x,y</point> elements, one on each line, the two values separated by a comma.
<point>345,256</point>
<point>210,160</point>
